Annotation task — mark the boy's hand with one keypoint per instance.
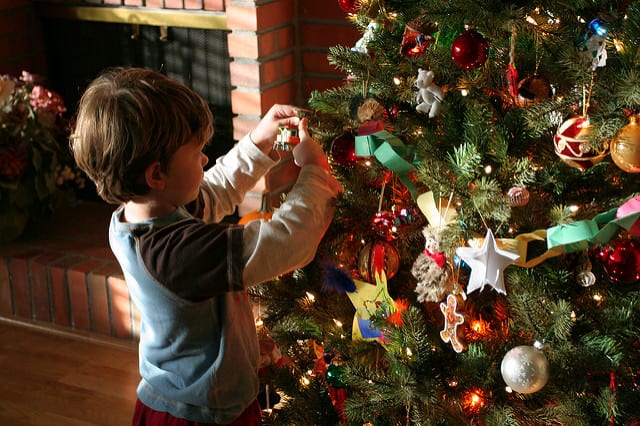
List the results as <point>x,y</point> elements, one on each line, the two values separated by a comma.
<point>264,135</point>
<point>308,151</point>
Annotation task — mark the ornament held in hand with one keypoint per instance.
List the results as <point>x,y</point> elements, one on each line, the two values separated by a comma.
<point>286,139</point>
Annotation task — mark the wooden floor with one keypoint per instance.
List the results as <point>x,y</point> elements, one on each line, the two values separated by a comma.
<point>57,380</point>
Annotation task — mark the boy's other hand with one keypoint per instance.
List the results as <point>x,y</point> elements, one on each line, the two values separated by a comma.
<point>308,151</point>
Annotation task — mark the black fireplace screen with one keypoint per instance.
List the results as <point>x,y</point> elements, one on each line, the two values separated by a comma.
<point>77,51</point>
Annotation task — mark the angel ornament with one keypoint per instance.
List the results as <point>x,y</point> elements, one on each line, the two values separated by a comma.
<point>431,270</point>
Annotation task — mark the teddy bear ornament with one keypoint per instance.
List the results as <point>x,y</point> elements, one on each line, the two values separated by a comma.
<point>429,95</point>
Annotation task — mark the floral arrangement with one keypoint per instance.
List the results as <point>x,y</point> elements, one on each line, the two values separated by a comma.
<point>37,171</point>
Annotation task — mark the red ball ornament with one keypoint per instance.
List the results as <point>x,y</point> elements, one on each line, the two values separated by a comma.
<point>343,149</point>
<point>571,145</point>
<point>621,260</point>
<point>378,252</point>
<point>349,6</point>
<point>469,50</point>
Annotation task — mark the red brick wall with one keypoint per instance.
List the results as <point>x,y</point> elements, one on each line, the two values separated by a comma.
<point>322,24</point>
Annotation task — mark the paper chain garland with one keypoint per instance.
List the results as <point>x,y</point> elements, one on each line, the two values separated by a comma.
<point>391,152</point>
<point>566,238</point>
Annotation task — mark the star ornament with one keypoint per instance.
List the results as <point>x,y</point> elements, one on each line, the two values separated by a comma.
<point>487,264</point>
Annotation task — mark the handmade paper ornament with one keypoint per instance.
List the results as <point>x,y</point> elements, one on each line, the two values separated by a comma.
<point>469,49</point>
<point>572,146</point>
<point>439,213</point>
<point>369,300</point>
<point>630,207</point>
<point>431,270</point>
<point>487,264</point>
<point>429,97</point>
<point>343,149</point>
<point>525,369</point>
<point>452,319</point>
<point>625,147</point>
<point>533,89</point>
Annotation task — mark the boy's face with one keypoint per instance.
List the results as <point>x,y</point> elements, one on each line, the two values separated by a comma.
<point>184,173</point>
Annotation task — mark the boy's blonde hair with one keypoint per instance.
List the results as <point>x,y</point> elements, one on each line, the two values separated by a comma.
<point>127,119</point>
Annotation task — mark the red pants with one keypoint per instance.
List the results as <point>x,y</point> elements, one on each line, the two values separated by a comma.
<point>145,416</point>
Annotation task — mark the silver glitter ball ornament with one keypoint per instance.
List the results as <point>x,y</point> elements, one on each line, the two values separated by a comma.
<point>525,369</point>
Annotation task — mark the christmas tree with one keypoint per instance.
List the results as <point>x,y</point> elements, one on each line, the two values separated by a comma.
<point>483,266</point>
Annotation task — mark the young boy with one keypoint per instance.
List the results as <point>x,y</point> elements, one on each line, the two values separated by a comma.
<point>139,136</point>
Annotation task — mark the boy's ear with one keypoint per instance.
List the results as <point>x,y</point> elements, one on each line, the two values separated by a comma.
<point>154,176</point>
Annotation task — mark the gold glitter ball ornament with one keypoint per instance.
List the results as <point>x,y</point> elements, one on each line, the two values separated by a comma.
<point>625,148</point>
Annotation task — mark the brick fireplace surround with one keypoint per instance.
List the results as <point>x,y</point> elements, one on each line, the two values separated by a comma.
<point>62,276</point>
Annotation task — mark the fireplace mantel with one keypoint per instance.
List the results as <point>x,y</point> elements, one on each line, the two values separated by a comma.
<point>184,18</point>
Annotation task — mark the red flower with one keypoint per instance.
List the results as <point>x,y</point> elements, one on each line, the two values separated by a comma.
<point>13,163</point>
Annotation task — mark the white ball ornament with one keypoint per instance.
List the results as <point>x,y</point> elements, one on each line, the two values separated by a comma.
<point>525,369</point>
